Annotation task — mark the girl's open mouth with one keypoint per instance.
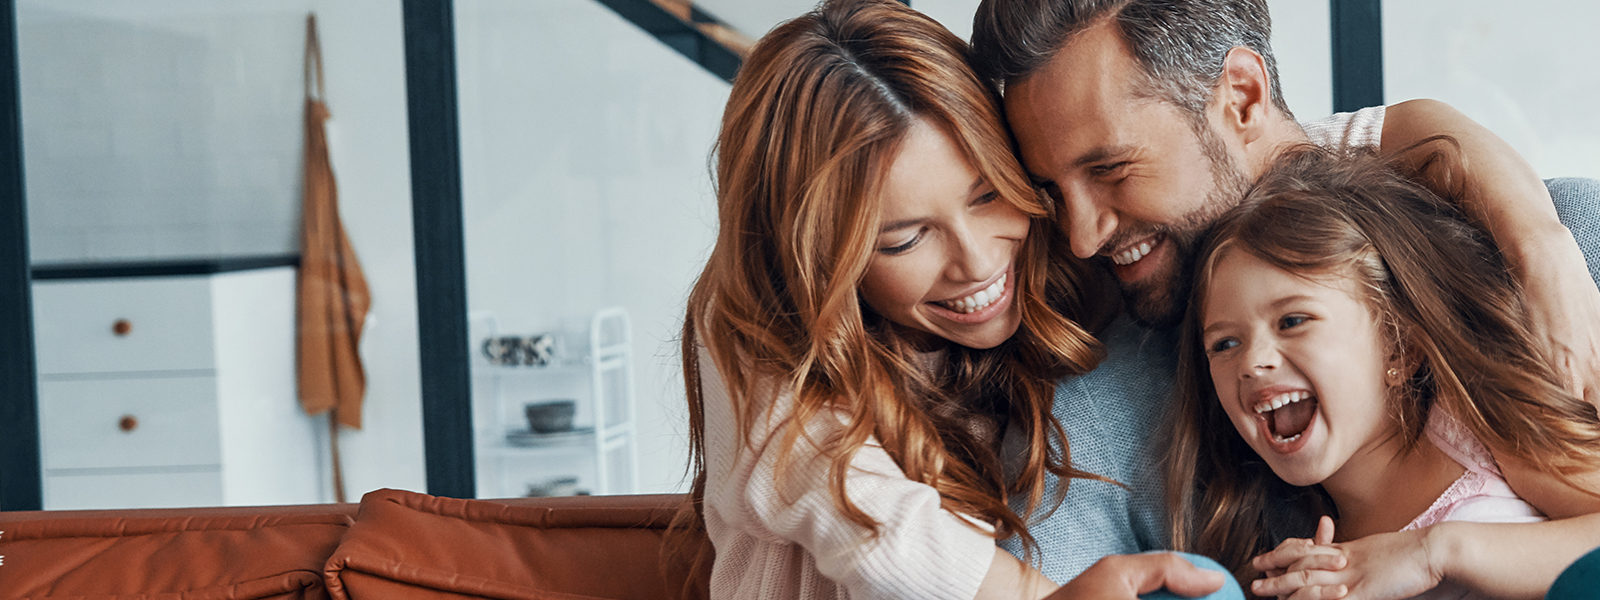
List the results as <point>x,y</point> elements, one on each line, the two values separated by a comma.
<point>1286,417</point>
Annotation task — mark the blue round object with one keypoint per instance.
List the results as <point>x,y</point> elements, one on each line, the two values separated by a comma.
<point>1230,588</point>
<point>1580,581</point>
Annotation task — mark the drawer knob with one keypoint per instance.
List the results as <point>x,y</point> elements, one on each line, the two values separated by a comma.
<point>122,327</point>
<point>128,423</point>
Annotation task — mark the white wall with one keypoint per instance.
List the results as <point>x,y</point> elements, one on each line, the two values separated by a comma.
<point>159,133</point>
<point>172,128</point>
<point>585,148</point>
<point>363,48</point>
<point>1530,72</point>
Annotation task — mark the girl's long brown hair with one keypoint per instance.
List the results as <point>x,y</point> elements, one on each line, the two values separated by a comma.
<point>815,117</point>
<point>1451,309</point>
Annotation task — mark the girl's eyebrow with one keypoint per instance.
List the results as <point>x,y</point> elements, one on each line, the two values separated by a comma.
<point>1291,299</point>
<point>1217,325</point>
<point>1275,304</point>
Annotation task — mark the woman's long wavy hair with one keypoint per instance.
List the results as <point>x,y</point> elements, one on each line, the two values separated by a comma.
<point>816,116</point>
<point>1449,309</point>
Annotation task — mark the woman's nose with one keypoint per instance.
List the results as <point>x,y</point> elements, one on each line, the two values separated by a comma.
<point>975,258</point>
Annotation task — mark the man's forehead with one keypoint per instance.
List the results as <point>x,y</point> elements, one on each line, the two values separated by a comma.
<point>1080,102</point>
<point>1095,65</point>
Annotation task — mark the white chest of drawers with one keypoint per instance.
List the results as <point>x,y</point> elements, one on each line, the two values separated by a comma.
<point>173,391</point>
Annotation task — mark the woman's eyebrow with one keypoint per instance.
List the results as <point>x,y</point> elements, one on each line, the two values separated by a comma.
<point>908,223</point>
<point>898,225</point>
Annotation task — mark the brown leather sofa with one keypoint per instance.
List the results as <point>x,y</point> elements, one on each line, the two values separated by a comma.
<point>395,546</point>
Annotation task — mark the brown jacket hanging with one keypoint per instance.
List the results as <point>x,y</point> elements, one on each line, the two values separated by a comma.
<point>333,298</point>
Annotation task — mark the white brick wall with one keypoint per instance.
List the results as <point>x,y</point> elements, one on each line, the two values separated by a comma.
<point>160,134</point>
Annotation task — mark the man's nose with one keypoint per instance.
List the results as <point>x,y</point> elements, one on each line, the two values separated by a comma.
<point>1087,224</point>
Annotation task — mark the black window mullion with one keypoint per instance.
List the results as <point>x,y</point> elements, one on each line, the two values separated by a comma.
<point>1357,53</point>
<point>440,249</point>
<point>21,479</point>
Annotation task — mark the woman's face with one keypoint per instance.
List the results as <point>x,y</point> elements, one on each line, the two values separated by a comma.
<point>1299,365</point>
<point>944,256</point>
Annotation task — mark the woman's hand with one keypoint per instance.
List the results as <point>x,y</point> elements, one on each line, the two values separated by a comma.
<point>1126,576</point>
<point>1385,566</point>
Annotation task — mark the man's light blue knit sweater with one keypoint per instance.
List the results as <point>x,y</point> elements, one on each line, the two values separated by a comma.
<point>1113,417</point>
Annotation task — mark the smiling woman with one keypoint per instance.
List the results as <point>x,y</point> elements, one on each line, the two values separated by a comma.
<point>872,314</point>
<point>946,248</point>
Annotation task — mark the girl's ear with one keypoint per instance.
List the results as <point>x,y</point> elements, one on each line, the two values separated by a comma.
<point>1395,375</point>
<point>1401,364</point>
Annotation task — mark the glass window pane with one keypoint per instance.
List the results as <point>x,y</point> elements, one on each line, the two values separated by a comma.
<point>585,145</point>
<point>162,140</point>
<point>1527,73</point>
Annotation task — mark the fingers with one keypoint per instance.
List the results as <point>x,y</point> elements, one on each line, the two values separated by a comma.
<point>1324,530</point>
<point>1320,592</point>
<point>1150,572</point>
<point>1319,562</point>
<point>1290,552</point>
<point>1296,584</point>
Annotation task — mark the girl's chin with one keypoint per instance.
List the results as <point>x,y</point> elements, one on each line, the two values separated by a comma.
<point>1298,471</point>
<point>1298,478</point>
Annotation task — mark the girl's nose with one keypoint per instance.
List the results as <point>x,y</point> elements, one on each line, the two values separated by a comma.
<point>1260,359</point>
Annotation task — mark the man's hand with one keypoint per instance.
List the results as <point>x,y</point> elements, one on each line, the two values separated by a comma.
<point>1500,191</point>
<point>1563,309</point>
<point>1125,576</point>
<point>1385,566</point>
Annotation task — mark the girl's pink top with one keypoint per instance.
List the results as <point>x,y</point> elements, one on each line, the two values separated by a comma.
<point>1480,495</point>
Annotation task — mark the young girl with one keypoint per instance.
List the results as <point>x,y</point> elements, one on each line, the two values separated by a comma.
<point>1369,351</point>
<point>871,318</point>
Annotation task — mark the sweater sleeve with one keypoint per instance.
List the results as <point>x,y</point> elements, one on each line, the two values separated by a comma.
<point>1344,131</point>
<point>920,550</point>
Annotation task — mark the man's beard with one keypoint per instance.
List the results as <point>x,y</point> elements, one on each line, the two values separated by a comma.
<point>1160,299</point>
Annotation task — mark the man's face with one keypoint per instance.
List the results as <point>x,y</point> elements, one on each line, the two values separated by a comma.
<point>1135,185</point>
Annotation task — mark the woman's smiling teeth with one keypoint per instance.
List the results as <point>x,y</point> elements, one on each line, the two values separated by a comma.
<point>1131,255</point>
<point>979,299</point>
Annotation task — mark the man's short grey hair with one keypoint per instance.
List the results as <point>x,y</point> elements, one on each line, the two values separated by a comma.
<point>1181,44</point>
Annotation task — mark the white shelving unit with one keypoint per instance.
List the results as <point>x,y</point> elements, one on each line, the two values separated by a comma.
<point>600,451</point>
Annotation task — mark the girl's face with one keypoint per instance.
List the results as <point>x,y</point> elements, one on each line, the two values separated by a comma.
<point>1299,365</point>
<point>944,256</point>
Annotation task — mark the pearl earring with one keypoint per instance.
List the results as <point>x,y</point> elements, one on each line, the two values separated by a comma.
<point>1393,373</point>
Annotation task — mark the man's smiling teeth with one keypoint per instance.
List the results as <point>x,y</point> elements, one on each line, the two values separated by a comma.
<point>1282,400</point>
<point>979,299</point>
<point>1131,255</point>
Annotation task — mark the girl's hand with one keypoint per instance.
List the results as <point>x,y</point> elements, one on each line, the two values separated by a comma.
<point>1303,556</point>
<point>1385,566</point>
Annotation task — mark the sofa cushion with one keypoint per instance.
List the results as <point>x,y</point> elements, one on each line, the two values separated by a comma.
<point>406,545</point>
<point>232,554</point>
